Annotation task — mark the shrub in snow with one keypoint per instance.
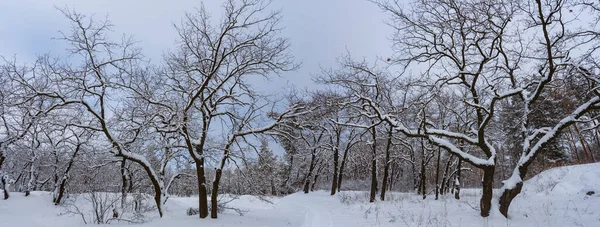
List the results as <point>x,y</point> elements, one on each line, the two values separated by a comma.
<point>192,211</point>
<point>101,208</point>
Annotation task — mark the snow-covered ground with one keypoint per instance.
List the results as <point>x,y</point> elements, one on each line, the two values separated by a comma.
<point>554,198</point>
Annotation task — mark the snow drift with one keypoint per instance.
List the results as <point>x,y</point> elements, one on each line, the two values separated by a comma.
<point>565,181</point>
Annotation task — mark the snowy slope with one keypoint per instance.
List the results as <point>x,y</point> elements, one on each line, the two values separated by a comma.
<point>566,180</point>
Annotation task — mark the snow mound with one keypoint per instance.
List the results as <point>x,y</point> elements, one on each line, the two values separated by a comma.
<point>566,180</point>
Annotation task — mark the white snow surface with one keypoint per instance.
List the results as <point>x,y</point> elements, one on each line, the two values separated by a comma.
<point>565,181</point>
<point>556,197</point>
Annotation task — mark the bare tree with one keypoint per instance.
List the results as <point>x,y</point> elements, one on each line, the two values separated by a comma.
<point>94,85</point>
<point>558,38</point>
<point>207,74</point>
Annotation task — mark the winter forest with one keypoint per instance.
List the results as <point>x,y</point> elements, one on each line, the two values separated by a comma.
<point>486,114</point>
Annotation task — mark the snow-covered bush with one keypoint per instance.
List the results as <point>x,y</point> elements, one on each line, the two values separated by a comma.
<point>104,208</point>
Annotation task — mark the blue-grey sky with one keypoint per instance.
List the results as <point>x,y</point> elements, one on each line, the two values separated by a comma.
<point>319,30</point>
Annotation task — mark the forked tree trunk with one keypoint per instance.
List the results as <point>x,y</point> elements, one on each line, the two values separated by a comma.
<point>507,197</point>
<point>509,194</point>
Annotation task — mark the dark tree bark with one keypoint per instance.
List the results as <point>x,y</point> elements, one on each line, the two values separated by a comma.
<point>341,173</point>
<point>309,174</point>
<point>156,185</point>
<point>336,151</point>
<point>373,166</point>
<point>384,183</point>
<point>202,193</point>
<point>5,189</point>
<point>416,180</point>
<point>509,194</point>
<point>334,181</point>
<point>63,182</point>
<point>214,203</point>
<point>488,185</point>
<point>445,177</point>
<point>423,178</point>
<point>2,158</point>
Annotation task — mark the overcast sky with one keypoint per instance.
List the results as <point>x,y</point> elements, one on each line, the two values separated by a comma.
<point>319,30</point>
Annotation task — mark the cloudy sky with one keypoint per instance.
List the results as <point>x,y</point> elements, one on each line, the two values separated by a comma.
<point>319,30</point>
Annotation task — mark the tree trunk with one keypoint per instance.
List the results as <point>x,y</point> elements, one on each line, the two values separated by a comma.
<point>124,183</point>
<point>341,173</point>
<point>202,194</point>
<point>63,182</point>
<point>374,166</point>
<point>32,181</point>
<point>584,145</point>
<point>155,183</point>
<point>488,185</point>
<point>416,180</point>
<point>574,146</point>
<point>214,193</point>
<point>5,186</point>
<point>423,178</point>
<point>334,181</point>
<point>309,174</point>
<point>445,176</point>
<point>509,194</point>
<point>384,182</point>
<point>2,158</point>
<point>457,180</point>
<point>507,197</point>
<point>437,175</point>
<point>61,191</point>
